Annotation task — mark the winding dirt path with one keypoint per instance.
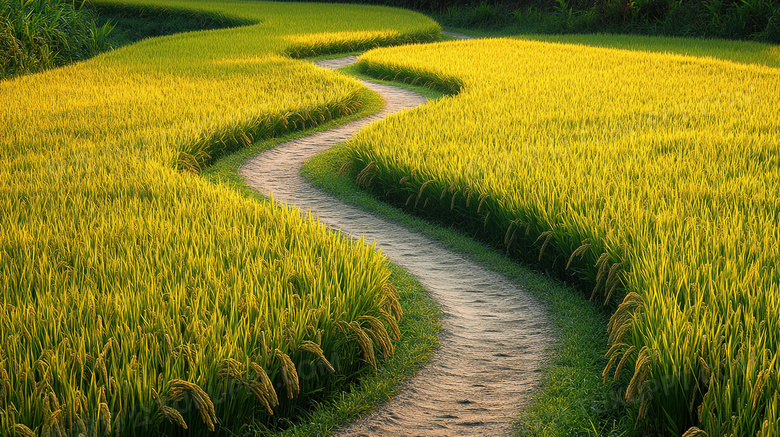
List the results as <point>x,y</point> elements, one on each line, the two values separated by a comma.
<point>494,333</point>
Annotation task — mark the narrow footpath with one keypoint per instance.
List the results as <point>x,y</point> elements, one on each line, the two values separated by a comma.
<point>494,334</point>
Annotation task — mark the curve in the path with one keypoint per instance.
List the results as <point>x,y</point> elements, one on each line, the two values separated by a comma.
<point>493,333</point>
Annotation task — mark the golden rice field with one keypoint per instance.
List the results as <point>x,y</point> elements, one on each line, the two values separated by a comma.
<point>650,178</point>
<point>139,298</point>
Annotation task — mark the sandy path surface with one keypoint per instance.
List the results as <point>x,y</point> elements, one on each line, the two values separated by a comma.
<point>494,334</point>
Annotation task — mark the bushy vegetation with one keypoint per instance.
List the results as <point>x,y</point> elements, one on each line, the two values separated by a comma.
<point>757,20</point>
<point>139,298</point>
<point>134,22</point>
<point>648,178</point>
<point>40,34</point>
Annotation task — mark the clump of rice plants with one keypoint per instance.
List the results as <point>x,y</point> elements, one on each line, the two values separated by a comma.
<point>649,178</point>
<point>40,34</point>
<point>139,298</point>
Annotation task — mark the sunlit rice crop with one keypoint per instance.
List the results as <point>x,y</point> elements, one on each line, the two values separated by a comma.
<point>650,178</point>
<point>139,298</point>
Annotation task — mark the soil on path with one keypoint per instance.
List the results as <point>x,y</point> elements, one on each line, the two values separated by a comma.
<point>494,334</point>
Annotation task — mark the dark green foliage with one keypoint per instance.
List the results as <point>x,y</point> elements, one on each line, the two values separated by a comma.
<point>742,19</point>
<point>40,34</point>
<point>482,16</point>
<point>134,23</point>
<point>772,30</point>
<point>757,20</point>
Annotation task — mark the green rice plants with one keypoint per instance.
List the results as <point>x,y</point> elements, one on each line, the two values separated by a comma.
<point>139,298</point>
<point>135,22</point>
<point>40,34</point>
<point>644,177</point>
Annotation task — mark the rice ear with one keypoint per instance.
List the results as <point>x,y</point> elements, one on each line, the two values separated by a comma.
<point>171,415</point>
<point>378,333</point>
<point>289,374</point>
<point>315,349</point>
<point>180,388</point>
<point>694,432</point>
<point>392,324</point>
<point>270,392</point>
<point>23,431</point>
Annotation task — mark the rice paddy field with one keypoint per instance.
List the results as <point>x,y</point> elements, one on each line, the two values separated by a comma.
<point>139,298</point>
<point>650,179</point>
